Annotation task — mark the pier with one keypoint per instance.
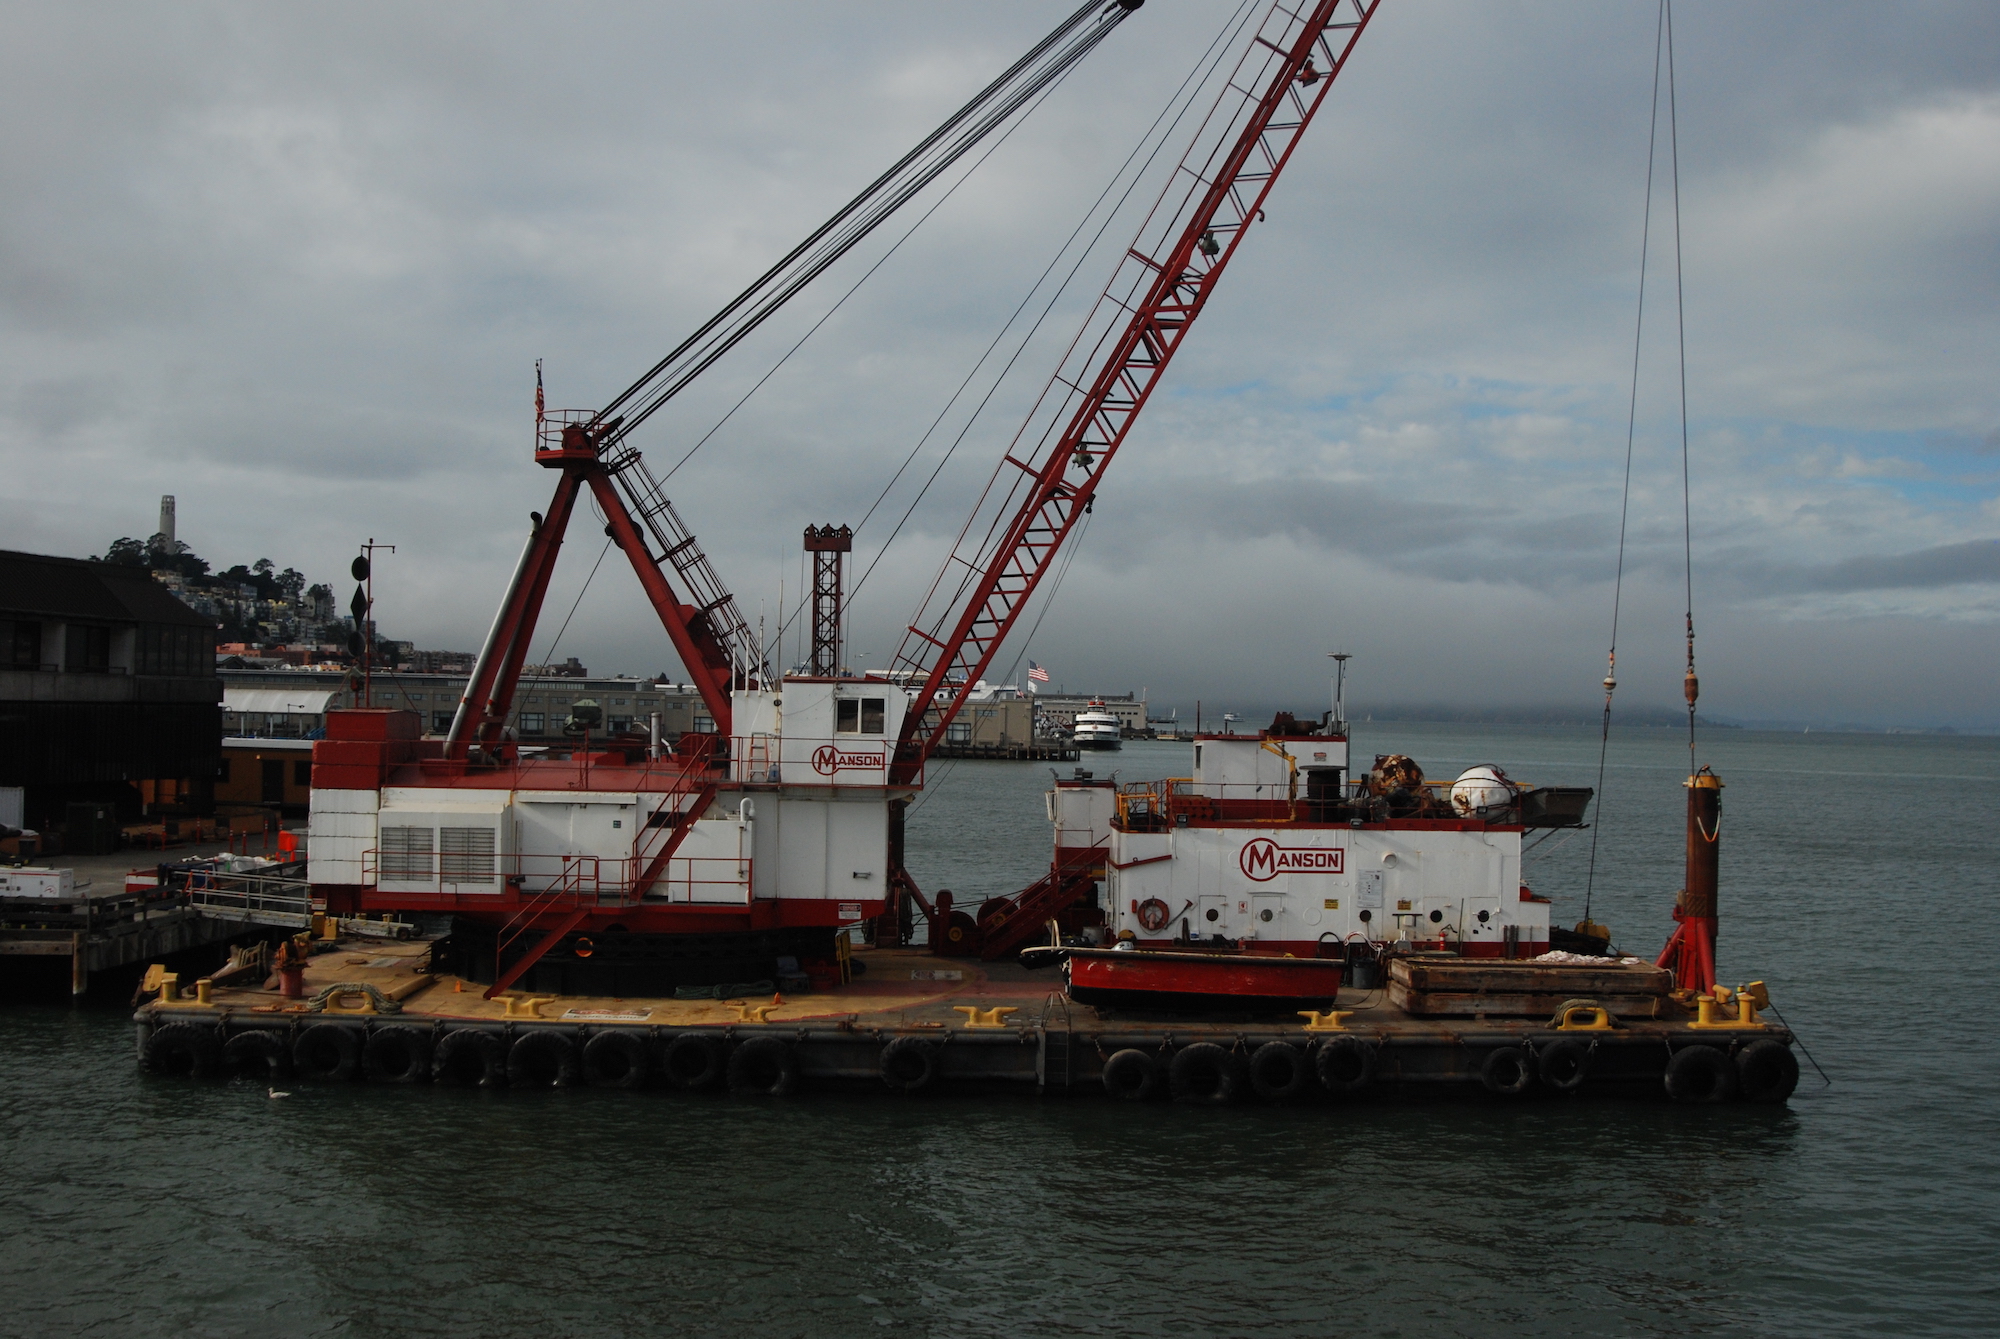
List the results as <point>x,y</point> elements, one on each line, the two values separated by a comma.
<point>147,916</point>
<point>1039,751</point>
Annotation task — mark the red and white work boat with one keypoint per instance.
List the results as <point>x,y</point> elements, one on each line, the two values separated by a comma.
<point>1267,875</point>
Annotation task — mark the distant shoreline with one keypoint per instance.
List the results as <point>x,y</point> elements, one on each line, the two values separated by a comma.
<point>1638,718</point>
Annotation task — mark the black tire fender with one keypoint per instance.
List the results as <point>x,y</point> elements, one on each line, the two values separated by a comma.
<point>1205,1073</point>
<point>1563,1064</point>
<point>541,1058</point>
<point>1766,1071</point>
<point>399,1053</point>
<point>693,1061</point>
<point>1279,1070</point>
<point>1345,1065</point>
<point>184,1049</point>
<point>1508,1070</point>
<point>470,1058</point>
<point>763,1067</point>
<point>1131,1074</point>
<point>616,1058</point>
<point>910,1064</point>
<point>1700,1074</point>
<point>327,1052</point>
<point>259,1054</point>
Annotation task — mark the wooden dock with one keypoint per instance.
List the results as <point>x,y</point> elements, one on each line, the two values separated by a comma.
<point>909,1021</point>
<point>1041,751</point>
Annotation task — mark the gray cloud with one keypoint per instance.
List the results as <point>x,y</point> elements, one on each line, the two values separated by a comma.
<point>1974,562</point>
<point>295,265</point>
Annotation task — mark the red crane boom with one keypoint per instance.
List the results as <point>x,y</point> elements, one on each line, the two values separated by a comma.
<point>1199,220</point>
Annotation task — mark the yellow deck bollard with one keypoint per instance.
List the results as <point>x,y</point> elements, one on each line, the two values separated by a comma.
<point>982,1019</point>
<point>1325,1022</point>
<point>1585,1018</point>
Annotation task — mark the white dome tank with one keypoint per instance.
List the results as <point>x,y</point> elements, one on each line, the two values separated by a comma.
<point>1481,792</point>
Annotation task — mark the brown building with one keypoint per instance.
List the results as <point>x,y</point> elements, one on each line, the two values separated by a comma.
<point>106,681</point>
<point>270,775</point>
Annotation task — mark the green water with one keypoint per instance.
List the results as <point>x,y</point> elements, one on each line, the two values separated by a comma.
<point>1858,881</point>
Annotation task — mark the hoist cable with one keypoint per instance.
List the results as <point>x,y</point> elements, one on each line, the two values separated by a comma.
<point>1631,432</point>
<point>1047,61</point>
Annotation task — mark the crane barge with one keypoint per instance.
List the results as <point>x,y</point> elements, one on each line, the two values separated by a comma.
<point>634,885</point>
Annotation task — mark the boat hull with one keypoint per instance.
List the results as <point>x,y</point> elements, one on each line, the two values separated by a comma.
<point>1182,980</point>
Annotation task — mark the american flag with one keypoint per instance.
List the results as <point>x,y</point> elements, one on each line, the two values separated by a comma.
<point>538,392</point>
<point>1036,673</point>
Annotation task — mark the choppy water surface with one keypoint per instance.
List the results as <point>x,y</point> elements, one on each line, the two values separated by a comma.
<point>1858,880</point>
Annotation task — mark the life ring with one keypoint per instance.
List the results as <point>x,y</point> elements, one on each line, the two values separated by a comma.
<point>1278,1070</point>
<point>763,1067</point>
<point>1508,1071</point>
<point>472,1058</point>
<point>1153,914</point>
<point>910,1064</point>
<point>1345,1065</point>
<point>1766,1071</point>
<point>693,1061</point>
<point>1205,1073</point>
<point>1564,1064</point>
<point>1131,1074</point>
<point>326,1051</point>
<point>397,1054</point>
<point>1700,1074</point>
<point>258,1054</point>
<point>184,1048</point>
<point>615,1058</point>
<point>541,1058</point>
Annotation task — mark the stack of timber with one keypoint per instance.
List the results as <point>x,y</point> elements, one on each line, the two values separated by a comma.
<point>1484,987</point>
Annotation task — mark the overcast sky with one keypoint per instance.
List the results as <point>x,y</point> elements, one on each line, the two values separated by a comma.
<point>294,264</point>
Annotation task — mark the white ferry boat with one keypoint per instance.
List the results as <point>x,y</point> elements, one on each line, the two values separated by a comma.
<point>1096,728</point>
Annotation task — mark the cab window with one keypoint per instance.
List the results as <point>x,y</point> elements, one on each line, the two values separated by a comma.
<point>860,715</point>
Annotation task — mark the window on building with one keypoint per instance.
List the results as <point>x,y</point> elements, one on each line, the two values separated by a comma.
<point>20,644</point>
<point>302,773</point>
<point>440,722</point>
<point>87,650</point>
<point>405,853</point>
<point>860,715</point>
<point>958,732</point>
<point>704,725</point>
<point>465,855</point>
<point>620,724</point>
<point>618,702</point>
<point>531,722</point>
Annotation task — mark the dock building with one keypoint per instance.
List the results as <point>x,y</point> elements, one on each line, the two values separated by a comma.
<point>106,682</point>
<point>292,703</point>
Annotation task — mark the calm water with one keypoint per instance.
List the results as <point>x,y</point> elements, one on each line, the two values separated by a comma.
<point>1858,880</point>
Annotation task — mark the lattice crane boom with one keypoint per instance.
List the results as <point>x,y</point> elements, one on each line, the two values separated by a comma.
<point>1199,220</point>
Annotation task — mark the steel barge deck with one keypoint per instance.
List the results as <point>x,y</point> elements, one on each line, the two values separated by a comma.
<point>911,1021</point>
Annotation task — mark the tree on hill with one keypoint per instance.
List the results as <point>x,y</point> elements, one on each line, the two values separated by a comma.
<point>158,555</point>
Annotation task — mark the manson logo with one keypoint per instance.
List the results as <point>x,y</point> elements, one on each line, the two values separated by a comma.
<point>1264,860</point>
<point>827,760</point>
